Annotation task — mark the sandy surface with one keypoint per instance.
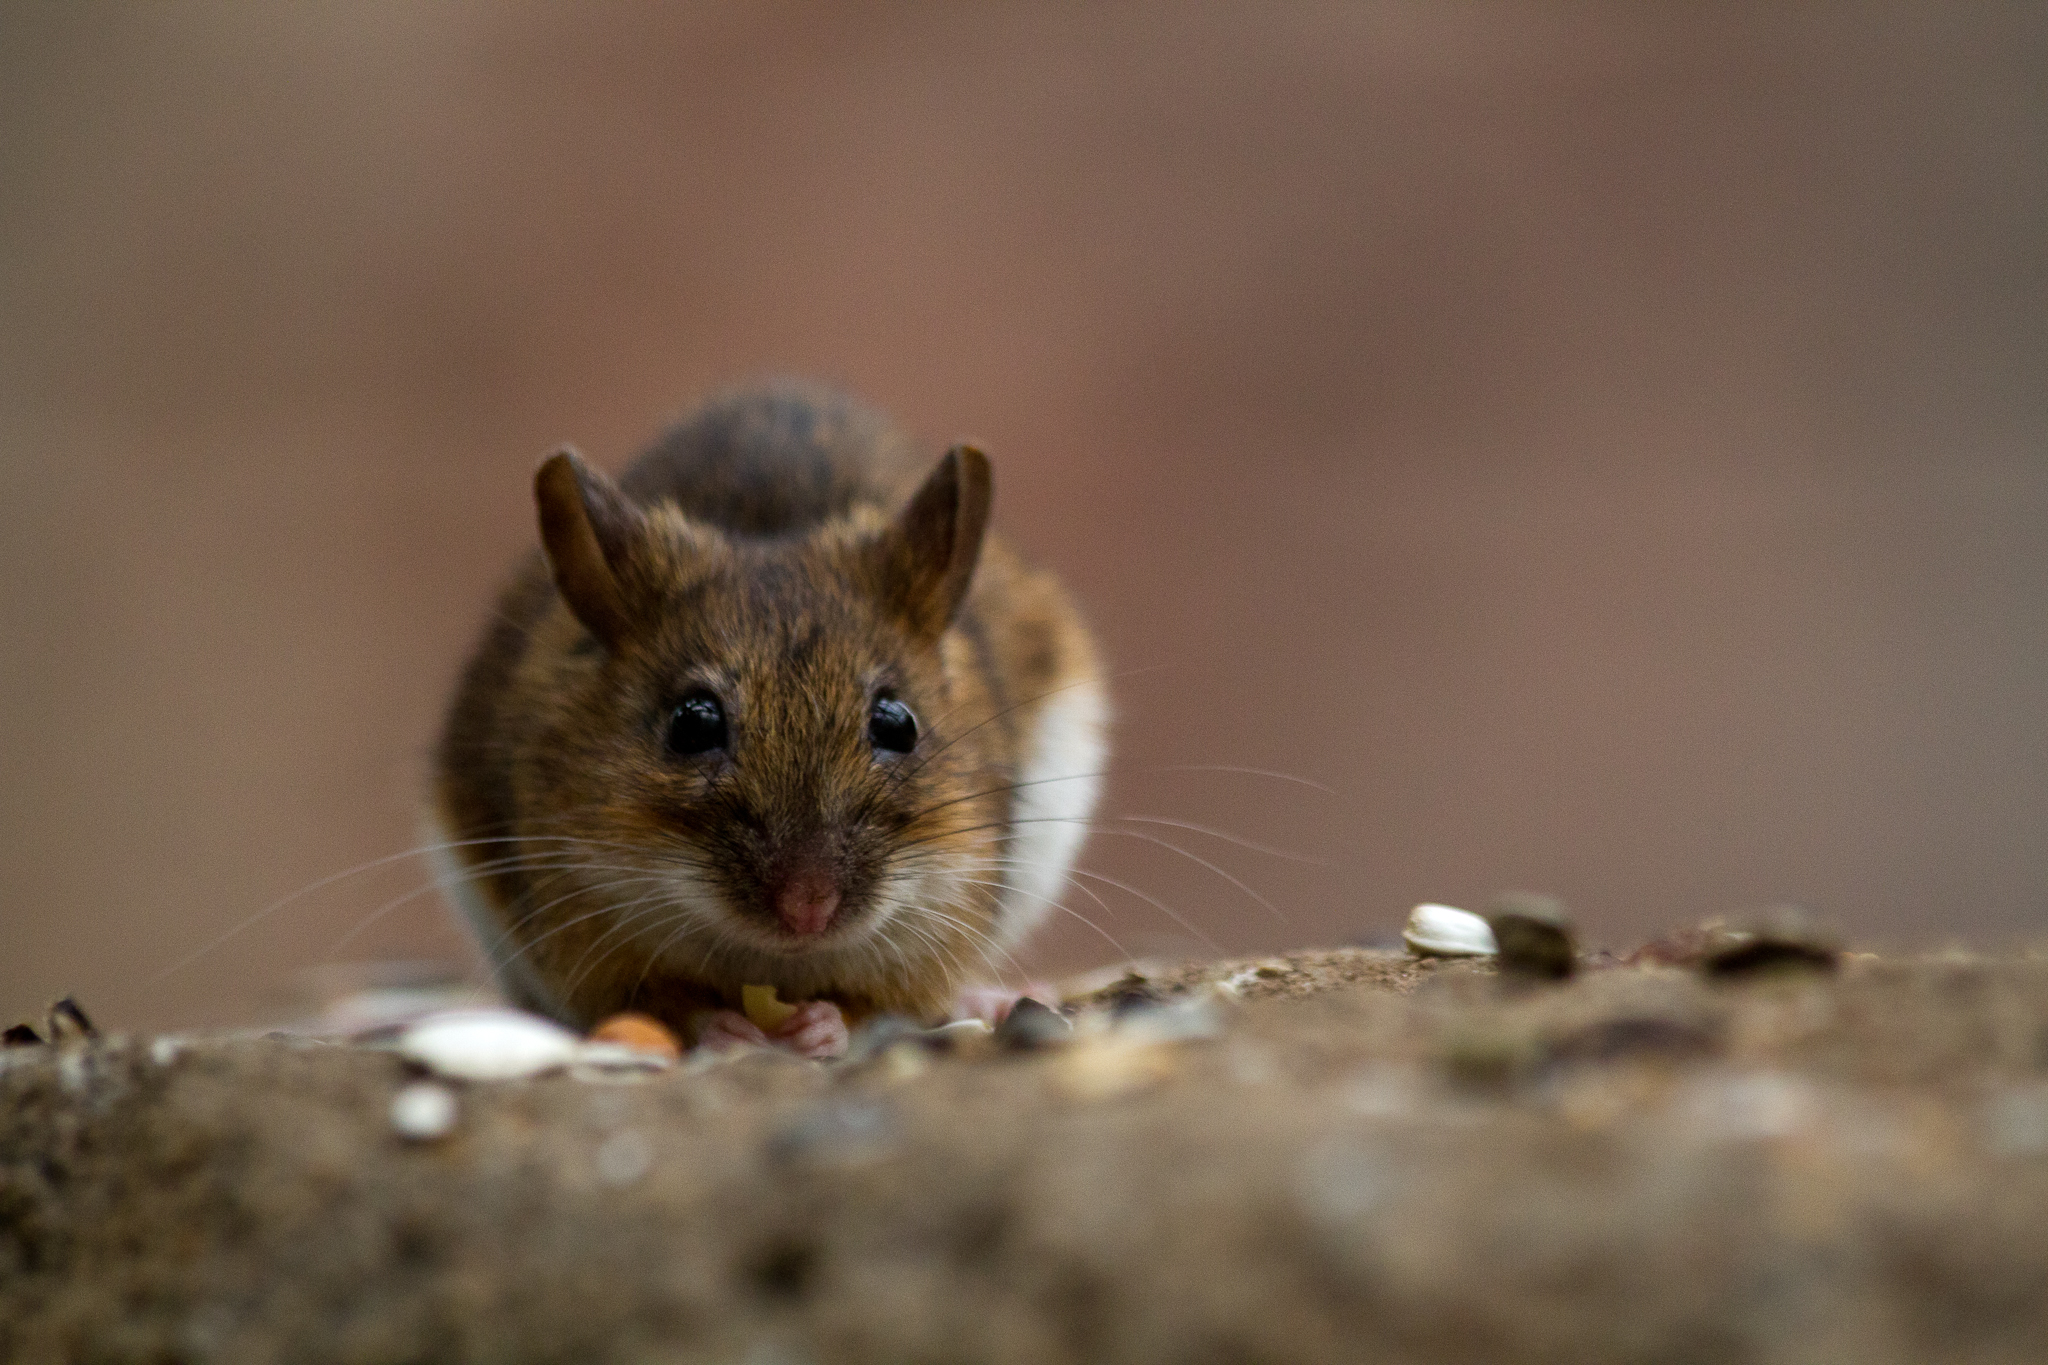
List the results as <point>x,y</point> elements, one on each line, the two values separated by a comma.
<point>1340,1156</point>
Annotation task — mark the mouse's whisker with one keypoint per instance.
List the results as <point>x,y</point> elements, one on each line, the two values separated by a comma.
<point>628,914</point>
<point>1245,772</point>
<point>437,883</point>
<point>1196,858</point>
<point>938,946</point>
<point>1289,854</point>
<point>1153,901</point>
<point>606,908</point>
<point>1099,827</point>
<point>1062,906</point>
<point>985,941</point>
<point>686,919</point>
<point>1011,860</point>
<point>997,890</point>
<point>998,791</point>
<point>521,862</point>
<point>321,884</point>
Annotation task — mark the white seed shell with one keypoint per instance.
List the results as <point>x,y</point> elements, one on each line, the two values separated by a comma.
<point>1446,931</point>
<point>488,1045</point>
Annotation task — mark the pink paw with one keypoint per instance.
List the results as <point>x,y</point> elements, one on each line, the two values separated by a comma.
<point>726,1029</point>
<point>992,1004</point>
<point>816,1030</point>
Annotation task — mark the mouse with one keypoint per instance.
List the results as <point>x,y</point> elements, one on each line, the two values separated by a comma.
<point>770,708</point>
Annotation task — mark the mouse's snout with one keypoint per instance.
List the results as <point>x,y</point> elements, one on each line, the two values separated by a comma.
<point>806,901</point>
<point>804,887</point>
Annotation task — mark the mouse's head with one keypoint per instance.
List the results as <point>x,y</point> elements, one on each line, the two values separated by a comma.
<point>772,753</point>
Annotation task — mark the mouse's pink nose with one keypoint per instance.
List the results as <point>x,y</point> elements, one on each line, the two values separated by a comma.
<point>806,900</point>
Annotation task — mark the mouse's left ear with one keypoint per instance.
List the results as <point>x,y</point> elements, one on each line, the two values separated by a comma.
<point>589,529</point>
<point>928,554</point>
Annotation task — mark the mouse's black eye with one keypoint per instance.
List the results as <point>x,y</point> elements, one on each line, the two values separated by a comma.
<point>696,726</point>
<point>891,726</point>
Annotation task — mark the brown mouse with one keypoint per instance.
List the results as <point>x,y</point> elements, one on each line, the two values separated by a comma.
<point>761,713</point>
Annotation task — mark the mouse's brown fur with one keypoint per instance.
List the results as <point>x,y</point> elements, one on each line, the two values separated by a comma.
<point>762,553</point>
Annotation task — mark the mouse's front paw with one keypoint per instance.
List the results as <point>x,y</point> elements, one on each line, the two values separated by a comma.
<point>816,1030</point>
<point>721,1030</point>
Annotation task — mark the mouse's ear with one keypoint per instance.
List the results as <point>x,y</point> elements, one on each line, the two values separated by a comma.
<point>928,554</point>
<point>589,528</point>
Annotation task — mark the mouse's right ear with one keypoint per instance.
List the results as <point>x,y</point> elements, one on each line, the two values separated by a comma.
<point>589,529</point>
<point>928,554</point>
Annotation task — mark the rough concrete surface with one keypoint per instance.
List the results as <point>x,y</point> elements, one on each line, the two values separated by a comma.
<point>1343,1155</point>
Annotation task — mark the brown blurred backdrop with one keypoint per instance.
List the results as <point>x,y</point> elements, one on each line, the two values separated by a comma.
<point>1606,445</point>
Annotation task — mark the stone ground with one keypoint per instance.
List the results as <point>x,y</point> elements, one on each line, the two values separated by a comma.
<point>1342,1155</point>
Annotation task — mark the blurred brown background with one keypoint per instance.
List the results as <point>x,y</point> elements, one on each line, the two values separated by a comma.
<point>1606,445</point>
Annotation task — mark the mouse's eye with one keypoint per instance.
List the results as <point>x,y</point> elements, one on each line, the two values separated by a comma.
<point>696,726</point>
<point>891,726</point>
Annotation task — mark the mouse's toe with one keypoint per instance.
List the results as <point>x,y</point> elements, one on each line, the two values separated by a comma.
<point>723,1029</point>
<point>816,1030</point>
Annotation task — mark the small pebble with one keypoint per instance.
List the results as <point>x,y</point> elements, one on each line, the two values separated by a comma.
<point>1446,931</point>
<point>624,1157</point>
<point>488,1045</point>
<point>1030,1025</point>
<point>1133,991</point>
<point>423,1111</point>
<point>1237,981</point>
<point>1533,936</point>
<point>1784,938</point>
<point>69,1023</point>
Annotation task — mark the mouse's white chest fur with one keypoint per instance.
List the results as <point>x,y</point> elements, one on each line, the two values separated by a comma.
<point>1058,787</point>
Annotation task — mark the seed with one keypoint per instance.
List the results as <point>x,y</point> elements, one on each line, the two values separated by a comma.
<point>1446,931</point>
<point>1534,936</point>
<point>68,1021</point>
<point>763,1010</point>
<point>1030,1025</point>
<point>487,1045</point>
<point>640,1032</point>
<point>1785,937</point>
